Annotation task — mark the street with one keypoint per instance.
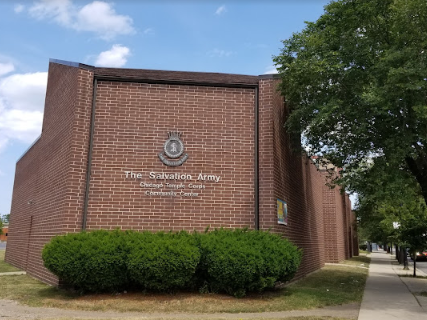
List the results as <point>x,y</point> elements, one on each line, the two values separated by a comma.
<point>421,265</point>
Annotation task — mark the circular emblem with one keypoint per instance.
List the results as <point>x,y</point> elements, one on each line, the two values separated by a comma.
<point>173,148</point>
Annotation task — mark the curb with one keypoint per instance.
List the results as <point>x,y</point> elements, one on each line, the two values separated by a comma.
<point>15,273</point>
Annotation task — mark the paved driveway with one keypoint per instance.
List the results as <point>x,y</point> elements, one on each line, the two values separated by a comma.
<point>3,245</point>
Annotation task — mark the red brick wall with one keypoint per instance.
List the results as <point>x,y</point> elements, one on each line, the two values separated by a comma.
<point>3,236</point>
<point>330,224</point>
<point>44,181</point>
<point>338,226</point>
<point>340,247</point>
<point>131,125</point>
<point>79,147</point>
<point>318,216</point>
<point>24,191</point>
<point>286,175</point>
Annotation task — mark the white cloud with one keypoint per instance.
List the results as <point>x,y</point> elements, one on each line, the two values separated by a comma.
<point>19,8</point>
<point>24,91</point>
<point>6,68</point>
<point>218,53</point>
<point>21,125</point>
<point>271,70</point>
<point>59,11</point>
<point>21,107</point>
<point>222,9</point>
<point>149,31</point>
<point>116,57</point>
<point>98,17</point>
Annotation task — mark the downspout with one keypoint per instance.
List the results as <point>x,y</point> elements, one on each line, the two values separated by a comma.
<point>89,161</point>
<point>256,177</point>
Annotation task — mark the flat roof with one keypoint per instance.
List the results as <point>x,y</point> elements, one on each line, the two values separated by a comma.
<point>149,75</point>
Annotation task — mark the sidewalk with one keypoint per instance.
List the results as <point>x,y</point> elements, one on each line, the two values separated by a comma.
<point>388,296</point>
<point>13,273</point>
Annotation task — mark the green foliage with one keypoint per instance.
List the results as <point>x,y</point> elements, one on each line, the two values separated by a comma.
<point>223,260</point>
<point>237,261</point>
<point>390,207</point>
<point>89,261</point>
<point>412,229</point>
<point>1,227</point>
<point>355,83</point>
<point>162,261</point>
<point>6,218</point>
<point>363,247</point>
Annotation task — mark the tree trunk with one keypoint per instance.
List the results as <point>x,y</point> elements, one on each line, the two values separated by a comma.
<point>415,267</point>
<point>399,255</point>
<point>405,259</point>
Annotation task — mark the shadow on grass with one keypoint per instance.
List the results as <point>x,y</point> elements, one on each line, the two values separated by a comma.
<point>333,285</point>
<point>360,259</point>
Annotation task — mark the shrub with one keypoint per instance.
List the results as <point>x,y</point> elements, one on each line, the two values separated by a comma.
<point>239,261</point>
<point>363,247</point>
<point>221,261</point>
<point>163,261</point>
<point>89,261</point>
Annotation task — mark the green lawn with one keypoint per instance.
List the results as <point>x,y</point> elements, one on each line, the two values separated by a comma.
<point>5,267</point>
<point>332,285</point>
<point>360,261</point>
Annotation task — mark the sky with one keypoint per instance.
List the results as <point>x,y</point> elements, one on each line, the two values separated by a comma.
<point>188,35</point>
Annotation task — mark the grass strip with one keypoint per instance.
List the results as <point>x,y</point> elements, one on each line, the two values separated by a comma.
<point>4,266</point>
<point>224,318</point>
<point>332,285</point>
<point>360,261</point>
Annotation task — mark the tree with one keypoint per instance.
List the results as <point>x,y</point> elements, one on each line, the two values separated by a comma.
<point>390,208</point>
<point>356,87</point>
<point>1,227</point>
<point>6,218</point>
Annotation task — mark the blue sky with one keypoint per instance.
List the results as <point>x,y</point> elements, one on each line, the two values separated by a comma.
<point>194,35</point>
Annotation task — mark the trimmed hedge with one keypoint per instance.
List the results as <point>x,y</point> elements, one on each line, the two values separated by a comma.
<point>89,261</point>
<point>231,261</point>
<point>163,261</point>
<point>237,261</point>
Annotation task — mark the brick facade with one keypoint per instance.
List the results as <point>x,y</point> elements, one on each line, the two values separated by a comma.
<point>4,234</point>
<point>319,220</point>
<point>115,122</point>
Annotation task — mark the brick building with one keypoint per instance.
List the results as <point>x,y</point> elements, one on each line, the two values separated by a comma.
<point>163,150</point>
<point>4,234</point>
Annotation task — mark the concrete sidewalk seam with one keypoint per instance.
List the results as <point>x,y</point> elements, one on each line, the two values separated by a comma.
<point>409,289</point>
<point>385,297</point>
